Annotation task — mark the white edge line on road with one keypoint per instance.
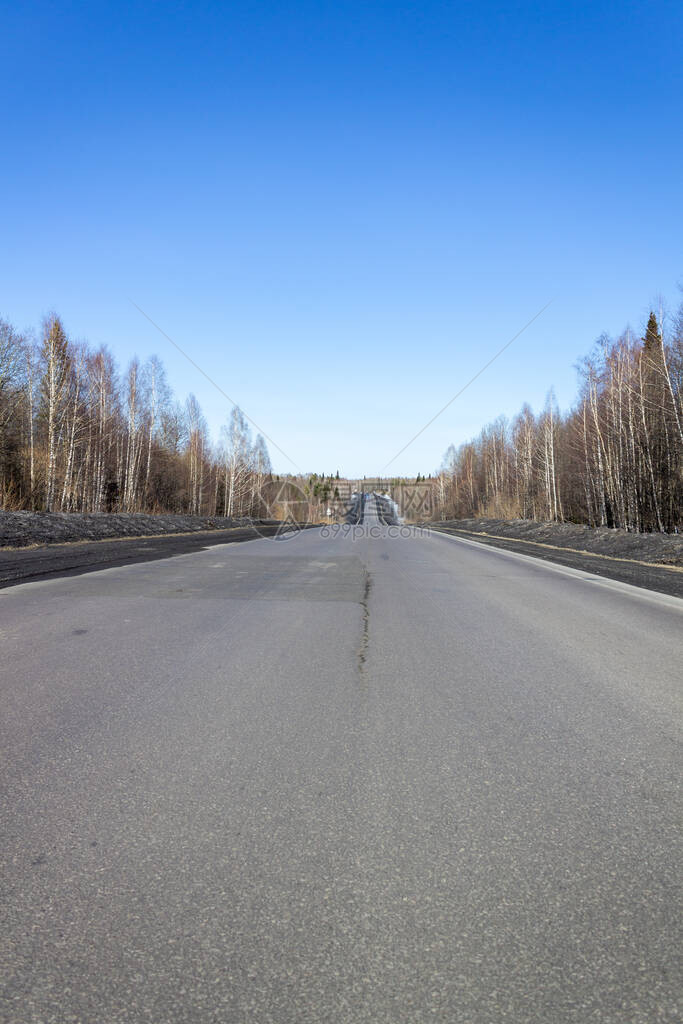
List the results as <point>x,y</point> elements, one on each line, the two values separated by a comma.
<point>668,600</point>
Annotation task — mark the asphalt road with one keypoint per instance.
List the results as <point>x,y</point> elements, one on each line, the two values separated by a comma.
<point>666,579</point>
<point>76,557</point>
<point>350,778</point>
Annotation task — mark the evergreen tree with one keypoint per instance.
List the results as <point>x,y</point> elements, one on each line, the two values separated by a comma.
<point>653,339</point>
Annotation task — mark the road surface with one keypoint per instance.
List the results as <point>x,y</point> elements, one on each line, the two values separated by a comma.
<point>345,778</point>
<point>74,558</point>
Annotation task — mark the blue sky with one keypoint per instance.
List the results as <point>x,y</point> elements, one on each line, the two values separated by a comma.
<point>343,210</point>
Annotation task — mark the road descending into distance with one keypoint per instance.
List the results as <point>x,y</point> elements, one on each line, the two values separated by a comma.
<point>360,777</point>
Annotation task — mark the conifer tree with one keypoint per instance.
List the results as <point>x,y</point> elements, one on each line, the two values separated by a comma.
<point>653,339</point>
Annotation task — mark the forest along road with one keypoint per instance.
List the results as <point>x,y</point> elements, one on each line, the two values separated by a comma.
<point>356,778</point>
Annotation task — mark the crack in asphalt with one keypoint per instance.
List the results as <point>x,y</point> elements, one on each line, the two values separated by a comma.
<point>365,638</point>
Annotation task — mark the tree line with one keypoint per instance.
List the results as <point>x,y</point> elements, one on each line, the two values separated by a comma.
<point>615,459</point>
<point>78,435</point>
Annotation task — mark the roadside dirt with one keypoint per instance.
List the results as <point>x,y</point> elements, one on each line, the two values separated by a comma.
<point>26,529</point>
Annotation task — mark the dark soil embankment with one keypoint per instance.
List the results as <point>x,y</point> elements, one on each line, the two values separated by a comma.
<point>650,560</point>
<point>23,529</point>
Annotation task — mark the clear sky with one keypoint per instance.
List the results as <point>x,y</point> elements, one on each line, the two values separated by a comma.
<point>342,210</point>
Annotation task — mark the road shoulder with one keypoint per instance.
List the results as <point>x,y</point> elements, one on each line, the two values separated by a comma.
<point>664,579</point>
<point>24,565</point>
